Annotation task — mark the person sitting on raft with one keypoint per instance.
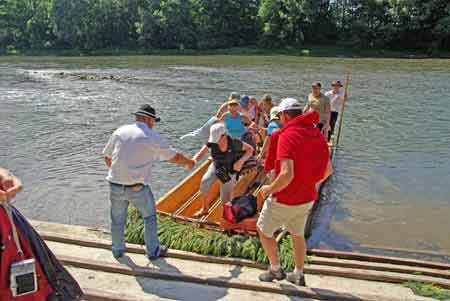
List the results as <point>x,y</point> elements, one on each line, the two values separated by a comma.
<point>265,106</point>
<point>273,126</point>
<point>228,160</point>
<point>249,107</point>
<point>235,123</point>
<point>224,107</point>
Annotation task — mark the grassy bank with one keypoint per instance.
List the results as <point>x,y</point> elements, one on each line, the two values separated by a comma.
<point>311,51</point>
<point>428,290</point>
<point>192,239</point>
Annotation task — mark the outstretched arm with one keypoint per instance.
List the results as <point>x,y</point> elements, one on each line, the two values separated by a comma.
<point>202,152</point>
<point>182,160</point>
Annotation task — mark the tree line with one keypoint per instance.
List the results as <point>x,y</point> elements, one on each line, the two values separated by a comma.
<point>213,24</point>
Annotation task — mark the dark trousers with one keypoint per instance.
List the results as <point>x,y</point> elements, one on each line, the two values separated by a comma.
<point>333,119</point>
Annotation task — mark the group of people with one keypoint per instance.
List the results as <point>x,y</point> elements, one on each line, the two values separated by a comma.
<point>291,140</point>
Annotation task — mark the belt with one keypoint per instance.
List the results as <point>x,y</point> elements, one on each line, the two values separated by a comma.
<point>127,186</point>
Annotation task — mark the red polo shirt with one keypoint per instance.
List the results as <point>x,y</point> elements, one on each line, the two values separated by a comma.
<point>302,142</point>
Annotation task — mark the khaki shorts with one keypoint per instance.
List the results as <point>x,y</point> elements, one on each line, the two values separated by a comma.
<point>275,215</point>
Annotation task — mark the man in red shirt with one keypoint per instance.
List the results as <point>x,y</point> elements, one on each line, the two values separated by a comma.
<point>299,154</point>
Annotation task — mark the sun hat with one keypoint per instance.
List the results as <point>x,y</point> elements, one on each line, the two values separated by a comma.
<point>233,102</point>
<point>274,113</point>
<point>147,111</point>
<point>244,101</point>
<point>216,132</point>
<point>289,104</point>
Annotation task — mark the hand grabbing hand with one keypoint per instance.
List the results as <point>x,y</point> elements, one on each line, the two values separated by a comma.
<point>191,164</point>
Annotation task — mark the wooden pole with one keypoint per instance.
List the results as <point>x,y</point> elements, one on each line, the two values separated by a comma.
<point>341,118</point>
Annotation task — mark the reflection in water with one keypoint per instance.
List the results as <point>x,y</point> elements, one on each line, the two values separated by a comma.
<point>390,186</point>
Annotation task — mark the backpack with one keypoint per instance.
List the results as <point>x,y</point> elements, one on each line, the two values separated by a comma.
<point>240,208</point>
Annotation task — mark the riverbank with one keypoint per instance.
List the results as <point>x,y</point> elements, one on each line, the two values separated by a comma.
<point>306,51</point>
<point>85,251</point>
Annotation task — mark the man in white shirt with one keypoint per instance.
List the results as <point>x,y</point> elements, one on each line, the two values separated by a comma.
<point>129,155</point>
<point>337,100</point>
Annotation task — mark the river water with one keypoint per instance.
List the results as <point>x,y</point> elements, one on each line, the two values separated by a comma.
<point>391,186</point>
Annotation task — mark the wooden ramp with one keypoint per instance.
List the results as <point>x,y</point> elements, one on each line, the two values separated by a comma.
<point>188,276</point>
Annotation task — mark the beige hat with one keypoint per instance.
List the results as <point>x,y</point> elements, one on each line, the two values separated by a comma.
<point>216,132</point>
<point>233,102</point>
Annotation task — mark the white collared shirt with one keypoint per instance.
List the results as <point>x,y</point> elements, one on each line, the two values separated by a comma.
<point>133,149</point>
<point>336,100</point>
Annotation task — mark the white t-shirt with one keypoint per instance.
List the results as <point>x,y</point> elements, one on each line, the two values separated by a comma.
<point>133,149</point>
<point>336,100</point>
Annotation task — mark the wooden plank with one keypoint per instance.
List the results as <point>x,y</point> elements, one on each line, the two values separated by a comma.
<point>138,249</point>
<point>374,275</point>
<point>345,263</point>
<point>100,295</point>
<point>138,271</point>
<point>187,203</point>
<point>380,259</point>
<point>404,250</point>
<point>216,212</point>
<point>178,195</point>
<point>191,207</point>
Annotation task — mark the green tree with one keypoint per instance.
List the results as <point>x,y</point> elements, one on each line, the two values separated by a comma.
<point>227,23</point>
<point>370,24</point>
<point>420,24</point>
<point>283,22</point>
<point>25,23</point>
<point>71,24</point>
<point>167,24</point>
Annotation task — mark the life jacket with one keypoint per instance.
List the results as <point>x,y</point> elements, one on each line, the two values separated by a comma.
<point>9,255</point>
<point>227,158</point>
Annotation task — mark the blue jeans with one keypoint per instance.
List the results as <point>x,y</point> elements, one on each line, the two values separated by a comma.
<point>144,201</point>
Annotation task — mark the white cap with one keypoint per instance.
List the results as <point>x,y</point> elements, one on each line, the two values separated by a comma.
<point>274,113</point>
<point>289,104</point>
<point>216,132</point>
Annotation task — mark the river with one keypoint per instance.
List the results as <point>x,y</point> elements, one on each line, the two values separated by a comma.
<point>391,186</point>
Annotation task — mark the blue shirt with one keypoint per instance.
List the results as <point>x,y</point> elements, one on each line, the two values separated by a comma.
<point>235,126</point>
<point>271,127</point>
